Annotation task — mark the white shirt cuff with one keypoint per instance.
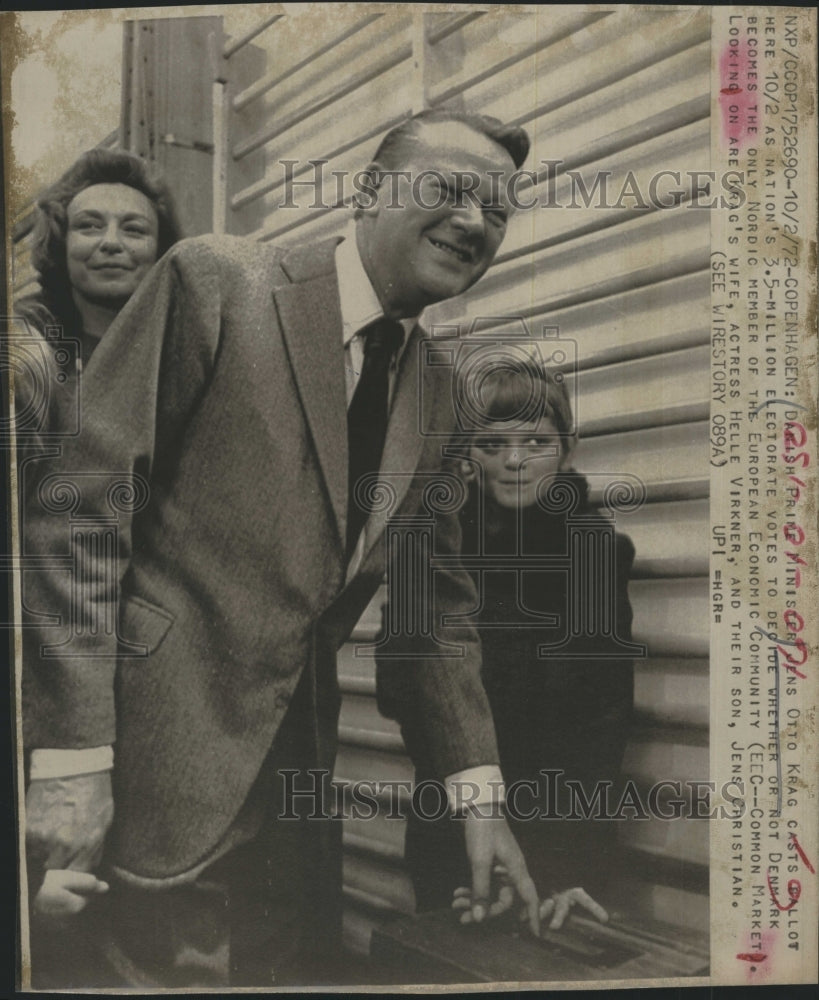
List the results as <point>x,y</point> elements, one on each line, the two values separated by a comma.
<point>476,786</point>
<point>47,763</point>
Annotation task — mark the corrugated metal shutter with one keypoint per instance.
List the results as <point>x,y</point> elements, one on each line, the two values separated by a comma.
<point>626,91</point>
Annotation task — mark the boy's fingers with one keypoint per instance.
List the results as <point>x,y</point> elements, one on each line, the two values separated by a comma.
<point>562,907</point>
<point>66,904</point>
<point>65,893</point>
<point>82,882</point>
<point>591,905</point>
<point>63,885</point>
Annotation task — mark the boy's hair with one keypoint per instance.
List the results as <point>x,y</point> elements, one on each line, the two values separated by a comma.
<point>524,392</point>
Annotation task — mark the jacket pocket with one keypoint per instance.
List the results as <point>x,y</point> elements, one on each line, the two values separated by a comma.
<point>143,623</point>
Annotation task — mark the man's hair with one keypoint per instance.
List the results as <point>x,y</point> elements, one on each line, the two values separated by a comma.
<point>525,391</point>
<point>512,138</point>
<point>97,166</point>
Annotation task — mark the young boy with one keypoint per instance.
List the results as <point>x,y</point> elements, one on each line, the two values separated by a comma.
<point>561,696</point>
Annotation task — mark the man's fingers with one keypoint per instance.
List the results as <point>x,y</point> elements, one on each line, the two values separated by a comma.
<point>481,873</point>
<point>528,893</point>
<point>546,908</point>
<point>506,896</point>
<point>520,879</point>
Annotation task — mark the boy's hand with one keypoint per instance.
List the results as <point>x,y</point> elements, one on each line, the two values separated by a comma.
<point>65,892</point>
<point>560,904</point>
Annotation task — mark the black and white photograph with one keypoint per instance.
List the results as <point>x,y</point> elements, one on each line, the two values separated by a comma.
<point>409,420</point>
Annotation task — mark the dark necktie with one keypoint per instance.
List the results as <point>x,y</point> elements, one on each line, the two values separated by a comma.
<point>367,417</point>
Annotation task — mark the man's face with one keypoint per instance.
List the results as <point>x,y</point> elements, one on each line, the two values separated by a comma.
<point>111,242</point>
<point>433,234</point>
<point>518,460</point>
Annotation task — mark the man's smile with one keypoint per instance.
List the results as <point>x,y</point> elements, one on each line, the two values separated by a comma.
<point>462,253</point>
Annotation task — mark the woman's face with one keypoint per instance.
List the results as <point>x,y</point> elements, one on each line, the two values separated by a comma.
<point>111,243</point>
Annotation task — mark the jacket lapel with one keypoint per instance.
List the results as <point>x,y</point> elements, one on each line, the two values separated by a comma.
<point>310,318</point>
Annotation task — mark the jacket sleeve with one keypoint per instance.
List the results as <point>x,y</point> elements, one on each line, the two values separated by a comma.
<point>433,690</point>
<point>137,393</point>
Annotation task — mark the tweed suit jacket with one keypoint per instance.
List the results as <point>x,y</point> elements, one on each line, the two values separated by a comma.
<point>214,441</point>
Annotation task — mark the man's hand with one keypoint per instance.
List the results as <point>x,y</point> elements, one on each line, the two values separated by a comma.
<point>66,823</point>
<point>558,906</point>
<point>489,842</point>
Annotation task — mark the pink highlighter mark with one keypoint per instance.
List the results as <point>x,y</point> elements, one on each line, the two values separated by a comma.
<point>738,104</point>
<point>757,961</point>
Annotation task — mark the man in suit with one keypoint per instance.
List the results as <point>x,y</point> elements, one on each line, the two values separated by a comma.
<point>218,555</point>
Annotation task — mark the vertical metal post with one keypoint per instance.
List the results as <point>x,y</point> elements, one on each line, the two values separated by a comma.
<point>419,61</point>
<point>219,59</point>
<point>220,153</point>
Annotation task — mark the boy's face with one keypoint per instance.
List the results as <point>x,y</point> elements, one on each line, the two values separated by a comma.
<point>518,460</point>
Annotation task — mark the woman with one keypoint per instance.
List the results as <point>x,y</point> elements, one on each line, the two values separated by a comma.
<point>99,230</point>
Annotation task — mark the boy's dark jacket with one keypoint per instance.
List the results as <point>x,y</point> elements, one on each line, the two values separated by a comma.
<point>568,710</point>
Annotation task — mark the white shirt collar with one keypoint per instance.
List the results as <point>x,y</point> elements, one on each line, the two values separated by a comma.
<point>358,298</point>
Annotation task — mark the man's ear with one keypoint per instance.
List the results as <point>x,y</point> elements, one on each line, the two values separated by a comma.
<point>367,183</point>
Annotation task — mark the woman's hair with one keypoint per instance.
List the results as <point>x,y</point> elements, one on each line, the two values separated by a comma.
<point>97,166</point>
<point>523,391</point>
